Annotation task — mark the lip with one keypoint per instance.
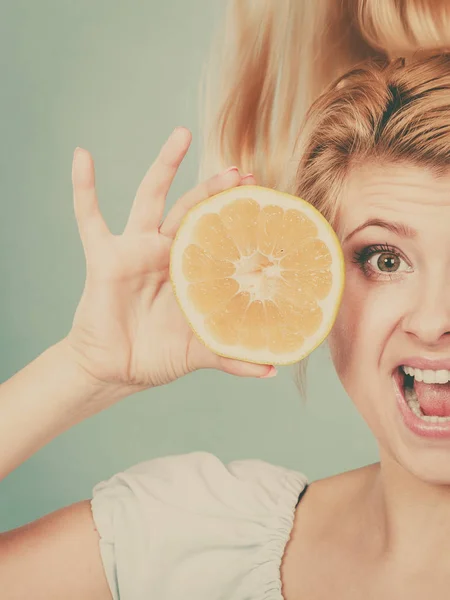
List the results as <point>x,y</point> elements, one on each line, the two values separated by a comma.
<point>419,427</point>
<point>420,362</point>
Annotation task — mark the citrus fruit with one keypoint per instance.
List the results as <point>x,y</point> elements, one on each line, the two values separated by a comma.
<point>259,274</point>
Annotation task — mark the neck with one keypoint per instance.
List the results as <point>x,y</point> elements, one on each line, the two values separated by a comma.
<point>414,515</point>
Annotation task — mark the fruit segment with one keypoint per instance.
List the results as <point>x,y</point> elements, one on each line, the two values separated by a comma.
<point>224,324</point>
<point>281,335</point>
<point>253,326</point>
<point>303,317</point>
<point>269,225</point>
<point>200,266</point>
<point>319,282</point>
<point>313,254</point>
<point>211,235</point>
<point>294,294</point>
<point>208,296</point>
<point>295,228</point>
<point>286,341</point>
<point>240,219</point>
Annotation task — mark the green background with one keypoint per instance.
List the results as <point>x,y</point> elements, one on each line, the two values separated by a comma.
<point>116,77</point>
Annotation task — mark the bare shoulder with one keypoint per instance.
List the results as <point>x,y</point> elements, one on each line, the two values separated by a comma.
<point>327,501</point>
<point>343,487</point>
<point>326,522</point>
<point>54,557</point>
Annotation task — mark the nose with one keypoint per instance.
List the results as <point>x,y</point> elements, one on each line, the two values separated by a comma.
<point>429,317</point>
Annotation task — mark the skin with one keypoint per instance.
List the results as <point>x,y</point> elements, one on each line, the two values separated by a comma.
<point>383,531</point>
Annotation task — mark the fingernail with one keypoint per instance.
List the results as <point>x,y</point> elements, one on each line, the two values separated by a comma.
<point>177,132</point>
<point>77,152</point>
<point>271,373</point>
<point>231,169</point>
<point>248,175</point>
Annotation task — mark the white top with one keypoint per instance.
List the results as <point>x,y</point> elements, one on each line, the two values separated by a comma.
<point>188,527</point>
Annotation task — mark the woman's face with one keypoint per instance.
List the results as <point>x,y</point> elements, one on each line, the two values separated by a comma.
<point>396,302</point>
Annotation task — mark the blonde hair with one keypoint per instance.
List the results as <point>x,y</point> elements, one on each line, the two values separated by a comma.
<point>393,111</point>
<point>271,59</point>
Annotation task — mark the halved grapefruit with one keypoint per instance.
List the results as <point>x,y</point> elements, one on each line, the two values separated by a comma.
<point>259,275</point>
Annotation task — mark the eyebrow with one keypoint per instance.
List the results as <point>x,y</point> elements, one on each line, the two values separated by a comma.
<point>398,228</point>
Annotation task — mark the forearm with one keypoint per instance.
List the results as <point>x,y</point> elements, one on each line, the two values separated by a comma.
<point>45,398</point>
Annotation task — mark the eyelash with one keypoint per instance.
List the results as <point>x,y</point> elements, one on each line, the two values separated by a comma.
<point>362,257</point>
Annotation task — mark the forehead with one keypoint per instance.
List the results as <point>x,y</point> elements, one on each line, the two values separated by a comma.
<point>394,192</point>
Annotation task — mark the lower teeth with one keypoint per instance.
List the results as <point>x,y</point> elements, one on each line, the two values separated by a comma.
<point>413,403</point>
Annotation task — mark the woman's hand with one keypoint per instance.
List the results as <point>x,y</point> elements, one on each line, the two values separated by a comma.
<point>128,329</point>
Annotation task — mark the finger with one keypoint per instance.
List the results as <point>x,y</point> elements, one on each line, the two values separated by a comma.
<point>148,205</point>
<point>87,212</point>
<point>243,369</point>
<point>201,357</point>
<point>248,180</point>
<point>210,187</point>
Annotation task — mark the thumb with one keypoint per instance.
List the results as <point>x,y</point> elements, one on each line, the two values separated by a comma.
<point>201,357</point>
<point>244,369</point>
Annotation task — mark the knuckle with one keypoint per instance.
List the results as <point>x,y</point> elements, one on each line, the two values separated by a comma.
<point>167,159</point>
<point>213,185</point>
<point>159,188</point>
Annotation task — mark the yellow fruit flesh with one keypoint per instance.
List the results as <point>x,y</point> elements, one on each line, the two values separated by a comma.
<point>256,274</point>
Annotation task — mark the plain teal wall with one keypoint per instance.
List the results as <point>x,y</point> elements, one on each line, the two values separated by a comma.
<point>116,77</point>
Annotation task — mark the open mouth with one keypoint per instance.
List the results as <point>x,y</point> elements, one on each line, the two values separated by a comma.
<point>425,407</point>
<point>412,398</point>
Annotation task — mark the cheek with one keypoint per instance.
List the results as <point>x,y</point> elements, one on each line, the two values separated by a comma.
<point>362,326</point>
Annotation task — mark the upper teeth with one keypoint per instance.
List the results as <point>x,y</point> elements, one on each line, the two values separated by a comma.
<point>427,375</point>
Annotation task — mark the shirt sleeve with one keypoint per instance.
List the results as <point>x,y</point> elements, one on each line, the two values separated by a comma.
<point>189,526</point>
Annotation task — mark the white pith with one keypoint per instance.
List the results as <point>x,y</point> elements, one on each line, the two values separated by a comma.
<point>250,282</point>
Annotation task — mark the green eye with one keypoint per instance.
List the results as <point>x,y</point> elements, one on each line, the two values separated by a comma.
<point>380,258</point>
<point>388,263</point>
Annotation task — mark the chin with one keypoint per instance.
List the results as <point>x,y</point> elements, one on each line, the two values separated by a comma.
<point>430,465</point>
<point>423,454</point>
<point>420,448</point>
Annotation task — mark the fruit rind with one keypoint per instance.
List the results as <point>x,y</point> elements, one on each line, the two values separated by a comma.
<point>264,196</point>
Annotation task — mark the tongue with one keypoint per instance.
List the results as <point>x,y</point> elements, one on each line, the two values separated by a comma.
<point>434,398</point>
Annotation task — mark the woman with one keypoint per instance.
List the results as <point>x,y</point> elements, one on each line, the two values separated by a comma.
<point>376,147</point>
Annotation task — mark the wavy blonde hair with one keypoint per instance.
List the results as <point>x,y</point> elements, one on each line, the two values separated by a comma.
<point>270,60</point>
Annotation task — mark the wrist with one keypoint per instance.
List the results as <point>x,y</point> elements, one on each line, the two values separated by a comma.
<point>48,396</point>
<point>91,394</point>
